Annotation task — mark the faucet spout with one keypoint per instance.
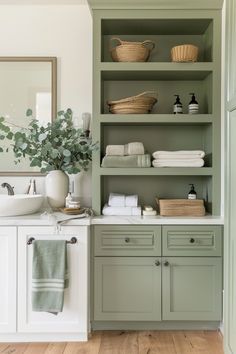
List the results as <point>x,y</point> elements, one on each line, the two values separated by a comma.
<point>10,189</point>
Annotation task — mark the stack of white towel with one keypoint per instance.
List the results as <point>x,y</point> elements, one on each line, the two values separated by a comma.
<point>120,204</point>
<point>188,158</point>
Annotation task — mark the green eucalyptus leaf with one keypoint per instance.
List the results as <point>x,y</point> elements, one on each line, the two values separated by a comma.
<point>29,112</point>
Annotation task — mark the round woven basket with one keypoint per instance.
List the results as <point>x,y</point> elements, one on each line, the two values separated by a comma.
<point>139,104</point>
<point>184,53</point>
<point>131,51</point>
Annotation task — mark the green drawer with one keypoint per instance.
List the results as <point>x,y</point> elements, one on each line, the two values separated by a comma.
<point>192,241</point>
<point>110,240</point>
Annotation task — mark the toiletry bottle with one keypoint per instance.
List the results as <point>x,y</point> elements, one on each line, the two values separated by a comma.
<point>193,105</point>
<point>177,107</point>
<point>192,193</point>
<point>68,200</point>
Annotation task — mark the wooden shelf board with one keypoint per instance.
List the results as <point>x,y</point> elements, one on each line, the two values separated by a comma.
<point>161,171</point>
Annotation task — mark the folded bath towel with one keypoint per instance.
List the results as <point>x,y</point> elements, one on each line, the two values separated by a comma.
<point>178,163</point>
<point>181,154</point>
<point>116,200</point>
<point>112,211</point>
<point>135,148</point>
<point>49,275</point>
<point>115,150</point>
<point>121,200</point>
<point>127,161</point>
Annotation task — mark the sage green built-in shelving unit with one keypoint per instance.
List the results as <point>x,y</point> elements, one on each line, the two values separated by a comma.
<point>167,24</point>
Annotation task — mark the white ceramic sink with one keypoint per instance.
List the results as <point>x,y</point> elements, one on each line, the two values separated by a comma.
<point>20,204</point>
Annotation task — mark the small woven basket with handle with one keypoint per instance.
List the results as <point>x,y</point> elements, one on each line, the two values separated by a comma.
<point>131,51</point>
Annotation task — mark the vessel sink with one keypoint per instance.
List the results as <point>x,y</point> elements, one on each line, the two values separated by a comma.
<point>20,204</point>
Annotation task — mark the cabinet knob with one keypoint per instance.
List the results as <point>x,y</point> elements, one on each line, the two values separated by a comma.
<point>127,239</point>
<point>192,240</point>
<point>157,263</point>
<point>166,263</point>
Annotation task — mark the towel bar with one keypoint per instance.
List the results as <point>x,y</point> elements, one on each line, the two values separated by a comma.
<point>32,239</point>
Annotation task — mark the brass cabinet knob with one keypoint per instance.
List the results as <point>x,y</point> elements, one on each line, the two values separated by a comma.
<point>157,263</point>
<point>192,240</point>
<point>166,263</point>
<point>127,239</point>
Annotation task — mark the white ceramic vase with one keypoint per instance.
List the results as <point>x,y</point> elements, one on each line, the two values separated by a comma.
<point>57,188</point>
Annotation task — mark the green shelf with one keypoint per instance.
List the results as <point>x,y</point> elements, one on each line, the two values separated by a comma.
<point>161,171</point>
<point>153,119</point>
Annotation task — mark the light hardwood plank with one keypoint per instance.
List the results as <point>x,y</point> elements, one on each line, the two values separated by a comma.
<point>55,348</point>
<point>90,347</point>
<point>15,348</point>
<point>158,342</point>
<point>3,346</point>
<point>215,342</point>
<point>116,342</point>
<point>36,348</point>
<point>181,343</point>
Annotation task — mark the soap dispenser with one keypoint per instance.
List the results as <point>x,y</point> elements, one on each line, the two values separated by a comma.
<point>192,193</point>
<point>177,107</point>
<point>193,105</point>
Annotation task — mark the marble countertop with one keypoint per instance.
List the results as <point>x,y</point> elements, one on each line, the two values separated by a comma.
<point>52,219</point>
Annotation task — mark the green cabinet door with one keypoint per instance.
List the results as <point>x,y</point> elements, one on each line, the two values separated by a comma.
<point>192,288</point>
<point>127,288</point>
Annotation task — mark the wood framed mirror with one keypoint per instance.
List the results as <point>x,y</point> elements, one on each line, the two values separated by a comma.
<point>26,82</point>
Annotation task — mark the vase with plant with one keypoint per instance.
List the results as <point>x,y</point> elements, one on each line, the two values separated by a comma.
<point>57,148</point>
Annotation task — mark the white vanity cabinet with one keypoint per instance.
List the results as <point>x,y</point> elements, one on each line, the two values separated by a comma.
<point>8,279</point>
<point>17,320</point>
<point>73,319</point>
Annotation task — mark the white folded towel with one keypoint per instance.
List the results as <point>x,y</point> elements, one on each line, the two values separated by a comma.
<point>181,154</point>
<point>131,200</point>
<point>116,200</point>
<point>113,211</point>
<point>115,150</point>
<point>121,200</point>
<point>178,163</point>
<point>135,148</point>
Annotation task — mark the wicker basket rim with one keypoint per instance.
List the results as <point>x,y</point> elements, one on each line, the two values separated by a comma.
<point>141,96</point>
<point>185,45</point>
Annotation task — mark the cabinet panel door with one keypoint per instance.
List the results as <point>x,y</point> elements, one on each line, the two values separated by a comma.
<point>74,315</point>
<point>192,288</point>
<point>8,279</point>
<point>127,289</point>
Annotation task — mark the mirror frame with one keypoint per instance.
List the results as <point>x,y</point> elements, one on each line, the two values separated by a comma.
<point>53,61</point>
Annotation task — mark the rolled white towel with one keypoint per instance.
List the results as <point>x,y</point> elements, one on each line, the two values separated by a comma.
<point>135,148</point>
<point>113,211</point>
<point>116,200</point>
<point>131,200</point>
<point>115,150</point>
<point>181,154</point>
<point>178,163</point>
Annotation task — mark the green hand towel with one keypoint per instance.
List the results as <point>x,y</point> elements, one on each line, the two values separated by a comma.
<point>127,161</point>
<point>49,275</point>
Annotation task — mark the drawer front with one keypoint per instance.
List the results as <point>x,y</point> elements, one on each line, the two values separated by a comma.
<point>192,241</point>
<point>110,240</point>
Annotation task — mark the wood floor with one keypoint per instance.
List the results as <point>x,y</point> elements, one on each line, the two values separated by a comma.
<point>129,342</point>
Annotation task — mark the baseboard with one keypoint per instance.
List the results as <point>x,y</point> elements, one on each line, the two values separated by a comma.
<point>163,325</point>
<point>44,337</point>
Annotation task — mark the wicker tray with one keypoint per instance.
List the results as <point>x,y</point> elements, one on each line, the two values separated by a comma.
<point>140,104</point>
<point>184,53</point>
<point>181,207</point>
<point>72,211</point>
<point>131,51</point>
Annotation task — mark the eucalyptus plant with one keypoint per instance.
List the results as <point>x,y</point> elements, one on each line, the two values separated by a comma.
<point>55,146</point>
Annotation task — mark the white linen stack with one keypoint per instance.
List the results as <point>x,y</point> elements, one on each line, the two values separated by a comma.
<point>121,204</point>
<point>182,158</point>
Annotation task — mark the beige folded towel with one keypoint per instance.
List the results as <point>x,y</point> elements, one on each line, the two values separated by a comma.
<point>181,154</point>
<point>178,163</point>
<point>135,148</point>
<point>115,150</point>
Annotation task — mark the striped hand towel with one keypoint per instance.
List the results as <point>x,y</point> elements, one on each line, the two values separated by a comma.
<point>49,275</point>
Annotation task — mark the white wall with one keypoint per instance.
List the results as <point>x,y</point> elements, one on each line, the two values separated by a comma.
<point>64,31</point>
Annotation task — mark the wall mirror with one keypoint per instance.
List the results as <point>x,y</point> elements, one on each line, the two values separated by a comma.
<point>26,82</point>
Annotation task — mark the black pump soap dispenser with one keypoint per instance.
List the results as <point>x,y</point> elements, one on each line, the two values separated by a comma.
<point>193,105</point>
<point>192,193</point>
<point>177,108</point>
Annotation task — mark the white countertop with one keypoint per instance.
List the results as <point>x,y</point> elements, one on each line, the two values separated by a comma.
<point>48,220</point>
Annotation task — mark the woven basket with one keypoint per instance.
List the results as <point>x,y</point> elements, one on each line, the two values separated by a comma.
<point>184,53</point>
<point>131,51</point>
<point>140,104</point>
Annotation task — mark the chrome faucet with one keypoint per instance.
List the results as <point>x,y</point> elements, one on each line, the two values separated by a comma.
<point>10,189</point>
